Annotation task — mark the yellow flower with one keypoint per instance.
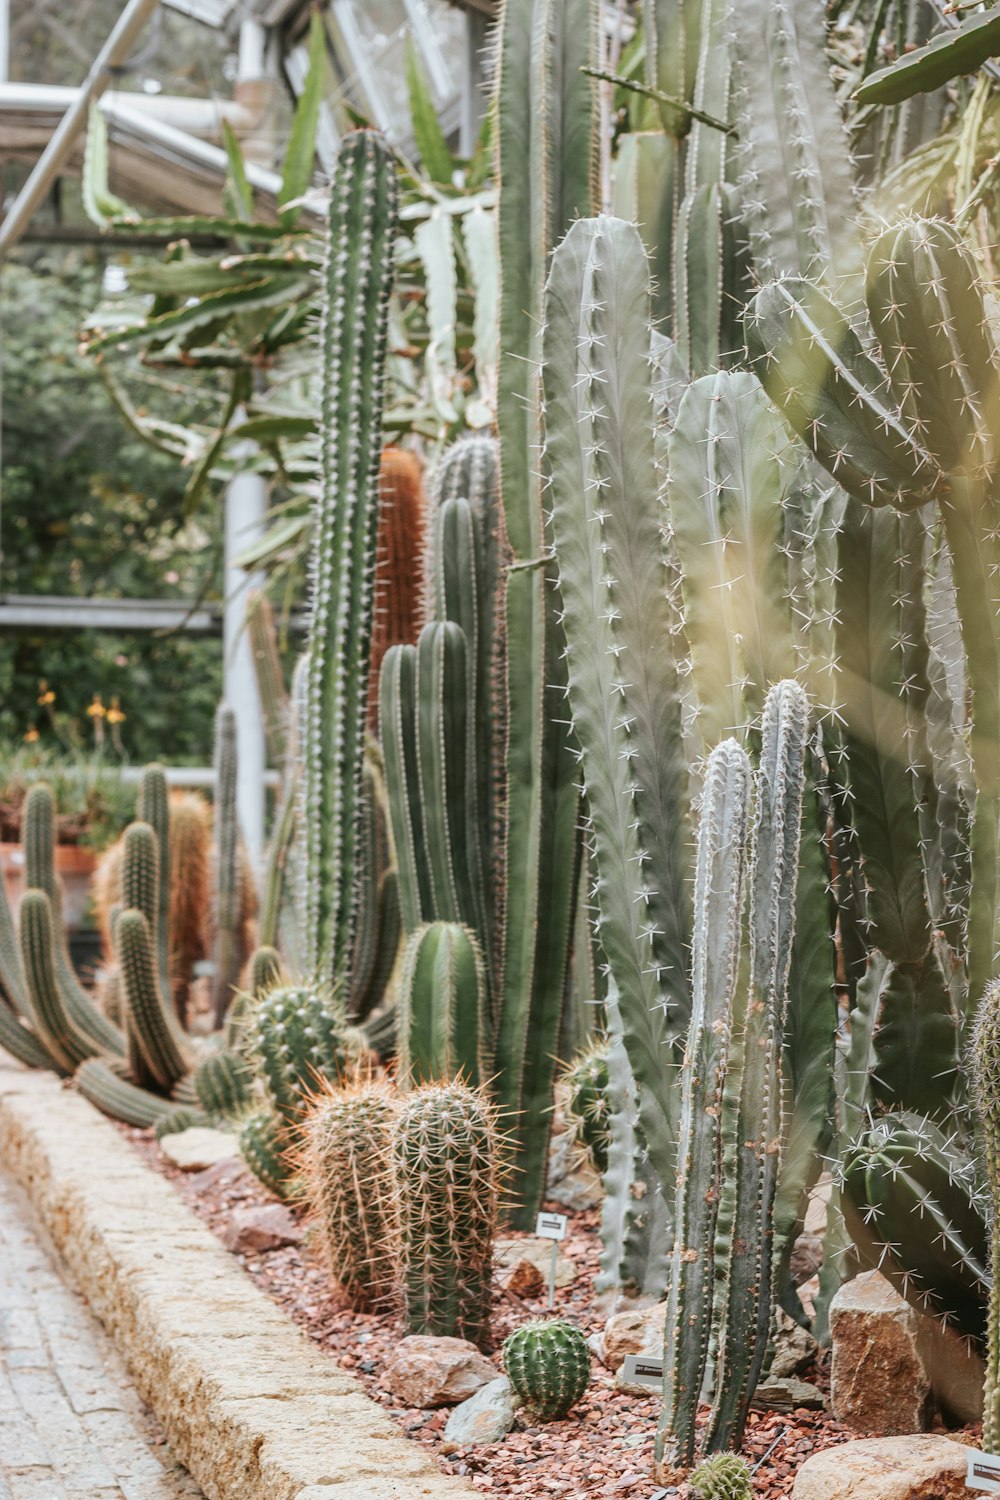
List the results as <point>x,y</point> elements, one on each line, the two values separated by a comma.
<point>96,709</point>
<point>31,736</point>
<point>45,694</point>
<point>114,713</point>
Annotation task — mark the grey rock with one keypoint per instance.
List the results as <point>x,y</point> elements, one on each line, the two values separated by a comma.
<point>486,1417</point>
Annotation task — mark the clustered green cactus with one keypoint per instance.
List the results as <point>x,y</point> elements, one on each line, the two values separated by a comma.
<point>548,1364</point>
<point>297,1039</point>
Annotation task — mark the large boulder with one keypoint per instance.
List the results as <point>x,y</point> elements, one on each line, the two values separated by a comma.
<point>426,1371</point>
<point>486,1417</point>
<point>894,1468</point>
<point>894,1367</point>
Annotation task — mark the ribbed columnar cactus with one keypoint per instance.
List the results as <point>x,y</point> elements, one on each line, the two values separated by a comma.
<point>548,1364</point>
<point>724,1476</point>
<point>158,1052</point>
<point>223,1083</point>
<point>443,1020</point>
<point>379,926</point>
<point>153,807</point>
<point>917,1213</point>
<point>446,1171</point>
<point>297,1039</point>
<point>115,1096</point>
<point>356,283</point>
<point>398,602</point>
<point>986,1067</point>
<point>274,697</point>
<point>141,873</point>
<point>345,1164</point>
<point>585,1093</point>
<point>48,1012</point>
<point>264,1142</point>
<point>227,953</point>
<point>715,956</point>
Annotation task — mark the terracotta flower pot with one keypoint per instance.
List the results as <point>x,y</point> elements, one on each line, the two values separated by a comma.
<point>74,866</point>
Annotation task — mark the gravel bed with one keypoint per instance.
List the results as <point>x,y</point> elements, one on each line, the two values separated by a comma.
<point>604,1448</point>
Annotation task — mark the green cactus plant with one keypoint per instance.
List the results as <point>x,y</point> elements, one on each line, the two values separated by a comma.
<point>345,1164</point>
<point>724,1476</point>
<point>442,1009</point>
<point>153,808</point>
<point>179,1119</point>
<point>141,874</point>
<point>584,1083</point>
<point>115,1096</point>
<point>227,954</point>
<point>297,1039</point>
<point>986,1071</point>
<point>356,284</point>
<point>58,1025</point>
<point>158,1051</point>
<point>264,1142</point>
<point>548,1364</point>
<point>223,1083</point>
<point>446,1184</point>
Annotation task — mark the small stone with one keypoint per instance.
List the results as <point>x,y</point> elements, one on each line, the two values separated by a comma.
<point>486,1417</point>
<point>260,1226</point>
<point>426,1371</point>
<point>794,1347</point>
<point>573,1180</point>
<point>806,1257</point>
<point>510,1256</point>
<point>636,1330</point>
<point>525,1280</point>
<point>788,1395</point>
<point>892,1468</point>
<point>893,1366</point>
<point>223,1174</point>
<point>200,1147</point>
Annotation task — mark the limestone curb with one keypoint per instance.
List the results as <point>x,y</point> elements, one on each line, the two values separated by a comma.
<point>249,1406</point>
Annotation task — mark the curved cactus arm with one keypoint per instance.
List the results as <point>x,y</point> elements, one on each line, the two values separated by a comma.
<point>797,186</point>
<point>50,1017</point>
<point>745,1328</point>
<point>715,959</point>
<point>12,980</point>
<point>546,132</point>
<point>619,620</point>
<point>17,1038</point>
<point>156,1048</point>
<point>356,284</point>
<point>116,1097</point>
<point>728,481</point>
<point>835,397</point>
<point>153,807</point>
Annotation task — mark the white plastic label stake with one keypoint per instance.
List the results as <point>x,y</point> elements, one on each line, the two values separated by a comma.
<point>551,1226</point>
<point>643,1369</point>
<point>982,1472</point>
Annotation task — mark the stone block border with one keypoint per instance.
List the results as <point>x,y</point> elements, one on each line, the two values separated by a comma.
<point>248,1405</point>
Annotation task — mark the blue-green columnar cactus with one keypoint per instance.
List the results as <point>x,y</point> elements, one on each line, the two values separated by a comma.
<point>548,1364</point>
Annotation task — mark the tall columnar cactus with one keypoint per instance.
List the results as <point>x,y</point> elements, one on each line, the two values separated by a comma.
<point>917,1212</point>
<point>402,519</point>
<point>227,906</point>
<point>297,1039</point>
<point>158,1052</point>
<point>141,873</point>
<point>356,283</point>
<point>275,702</point>
<point>345,1165</point>
<point>446,1169</point>
<point>548,1364</point>
<point>51,1018</point>
<point>986,1067</point>
<point>715,956</point>
<point>546,157</point>
<point>443,1020</point>
<point>153,807</point>
<point>379,926</point>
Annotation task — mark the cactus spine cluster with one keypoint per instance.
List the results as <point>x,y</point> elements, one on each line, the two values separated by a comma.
<point>585,1089</point>
<point>356,283</point>
<point>446,1170</point>
<point>345,1163</point>
<point>548,1364</point>
<point>724,1476</point>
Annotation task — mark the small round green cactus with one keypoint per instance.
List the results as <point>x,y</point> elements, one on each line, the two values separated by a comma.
<point>585,1081</point>
<point>296,1041</point>
<point>346,1171</point>
<point>724,1476</point>
<point>548,1363</point>
<point>264,1140</point>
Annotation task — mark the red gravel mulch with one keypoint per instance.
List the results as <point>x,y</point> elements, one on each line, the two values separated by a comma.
<point>604,1448</point>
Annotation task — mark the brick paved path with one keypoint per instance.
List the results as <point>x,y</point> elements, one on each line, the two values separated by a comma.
<point>71,1425</point>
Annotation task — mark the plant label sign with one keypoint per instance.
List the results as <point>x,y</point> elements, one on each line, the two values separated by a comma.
<point>982,1472</point>
<point>551,1226</point>
<point>643,1369</point>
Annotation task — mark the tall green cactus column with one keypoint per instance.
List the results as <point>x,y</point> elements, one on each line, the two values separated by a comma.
<point>545,123</point>
<point>986,1062</point>
<point>357,280</point>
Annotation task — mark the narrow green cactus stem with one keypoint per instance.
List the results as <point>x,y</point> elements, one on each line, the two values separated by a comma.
<point>153,807</point>
<point>38,835</point>
<point>274,697</point>
<point>17,1038</point>
<point>397,718</point>
<point>585,1091</point>
<point>357,280</point>
<point>49,1015</point>
<point>281,844</point>
<point>157,1051</point>
<point>264,1141</point>
<point>446,1156</point>
<point>225,818</point>
<point>223,1084</point>
<point>546,117</point>
<point>986,1068</point>
<point>713,270</point>
<point>116,1097</point>
<point>141,873</point>
<point>774,864</point>
<point>622,624</point>
<point>179,1119</point>
<point>442,1007</point>
<point>12,981</point>
<point>548,1364</point>
<point>716,933</point>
